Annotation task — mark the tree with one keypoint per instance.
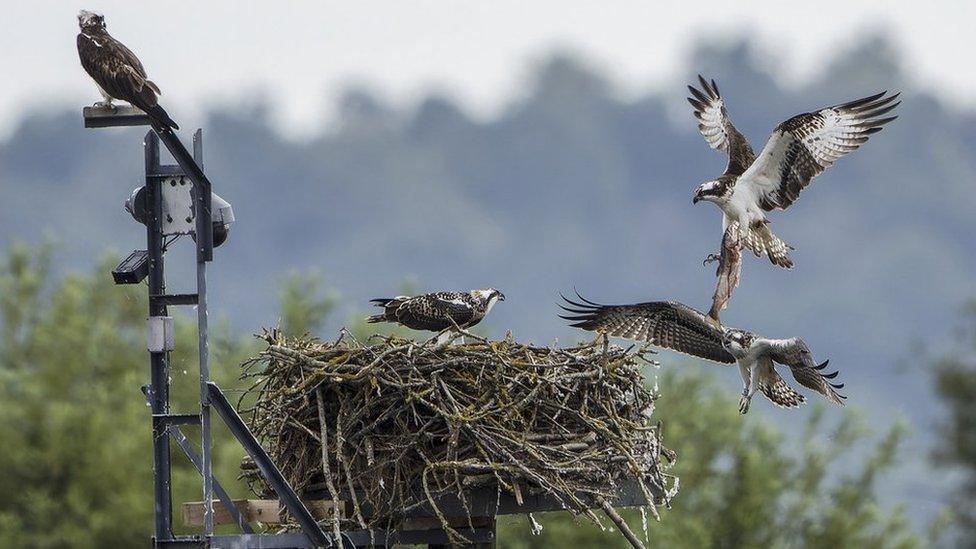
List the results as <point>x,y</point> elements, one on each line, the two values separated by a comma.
<point>743,486</point>
<point>76,461</point>
<point>955,381</point>
<point>303,307</point>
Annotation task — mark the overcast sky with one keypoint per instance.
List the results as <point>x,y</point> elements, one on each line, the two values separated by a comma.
<point>304,53</point>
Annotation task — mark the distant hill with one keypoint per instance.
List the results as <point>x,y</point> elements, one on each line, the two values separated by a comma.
<point>570,186</point>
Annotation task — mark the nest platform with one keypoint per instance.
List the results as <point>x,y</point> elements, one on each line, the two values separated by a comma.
<point>396,431</point>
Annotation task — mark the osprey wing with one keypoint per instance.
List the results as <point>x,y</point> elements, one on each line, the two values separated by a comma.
<point>796,354</point>
<point>775,387</point>
<point>717,128</point>
<point>807,144</point>
<point>663,323</point>
<point>435,312</point>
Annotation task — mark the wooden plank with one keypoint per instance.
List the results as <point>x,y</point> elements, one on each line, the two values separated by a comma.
<point>267,511</point>
<point>193,512</point>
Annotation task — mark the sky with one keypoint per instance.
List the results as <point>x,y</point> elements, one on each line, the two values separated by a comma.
<point>303,55</point>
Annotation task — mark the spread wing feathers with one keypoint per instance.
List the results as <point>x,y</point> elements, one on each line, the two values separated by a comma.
<point>729,270</point>
<point>433,312</point>
<point>717,128</point>
<point>119,72</point>
<point>807,144</point>
<point>775,388</point>
<point>663,323</point>
<point>796,354</point>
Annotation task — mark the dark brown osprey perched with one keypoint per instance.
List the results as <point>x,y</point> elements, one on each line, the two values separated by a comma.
<point>438,311</point>
<point>678,327</point>
<point>797,151</point>
<point>116,70</point>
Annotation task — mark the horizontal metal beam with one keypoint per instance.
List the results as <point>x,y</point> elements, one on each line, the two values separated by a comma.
<point>167,170</point>
<point>177,419</point>
<point>486,502</point>
<point>122,115</point>
<point>352,539</point>
<point>181,542</point>
<point>261,541</point>
<point>176,299</point>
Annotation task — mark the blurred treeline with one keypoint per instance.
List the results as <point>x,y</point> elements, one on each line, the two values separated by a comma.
<point>75,462</point>
<point>574,182</point>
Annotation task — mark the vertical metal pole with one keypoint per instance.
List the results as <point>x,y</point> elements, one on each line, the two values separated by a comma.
<point>159,362</point>
<point>205,443</point>
<point>204,224</point>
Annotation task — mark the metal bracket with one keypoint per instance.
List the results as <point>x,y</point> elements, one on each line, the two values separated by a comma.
<point>160,337</point>
<point>184,443</point>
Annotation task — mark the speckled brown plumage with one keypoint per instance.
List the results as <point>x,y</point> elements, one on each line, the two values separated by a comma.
<point>116,70</point>
<point>676,326</point>
<point>666,324</point>
<point>438,310</point>
<point>716,127</point>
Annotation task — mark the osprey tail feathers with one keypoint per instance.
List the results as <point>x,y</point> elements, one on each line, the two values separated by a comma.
<point>762,242</point>
<point>775,387</point>
<point>390,305</point>
<point>159,115</point>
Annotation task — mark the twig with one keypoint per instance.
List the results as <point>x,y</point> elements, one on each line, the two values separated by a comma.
<point>621,523</point>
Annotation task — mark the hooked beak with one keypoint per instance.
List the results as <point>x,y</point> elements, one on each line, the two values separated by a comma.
<point>697,198</point>
<point>501,296</point>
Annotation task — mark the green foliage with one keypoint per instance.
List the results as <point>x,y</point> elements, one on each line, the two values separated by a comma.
<point>76,463</point>
<point>303,308</point>
<point>956,384</point>
<point>746,484</point>
<point>77,470</point>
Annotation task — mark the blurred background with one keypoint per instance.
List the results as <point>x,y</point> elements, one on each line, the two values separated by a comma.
<point>373,147</point>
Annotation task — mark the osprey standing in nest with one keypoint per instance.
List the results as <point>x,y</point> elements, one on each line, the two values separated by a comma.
<point>681,328</point>
<point>797,151</point>
<point>439,311</point>
<point>117,71</point>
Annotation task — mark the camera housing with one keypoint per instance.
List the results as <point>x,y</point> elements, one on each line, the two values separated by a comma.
<point>178,211</point>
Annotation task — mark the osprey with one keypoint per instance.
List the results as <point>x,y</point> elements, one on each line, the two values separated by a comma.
<point>438,311</point>
<point>116,70</point>
<point>797,151</point>
<point>681,328</point>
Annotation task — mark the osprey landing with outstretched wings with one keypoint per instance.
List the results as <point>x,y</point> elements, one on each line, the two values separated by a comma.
<point>798,150</point>
<point>116,70</point>
<point>678,327</point>
<point>438,311</point>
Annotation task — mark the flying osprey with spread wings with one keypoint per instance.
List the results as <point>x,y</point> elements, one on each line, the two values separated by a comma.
<point>681,328</point>
<point>797,151</point>
<point>116,70</point>
<point>438,311</point>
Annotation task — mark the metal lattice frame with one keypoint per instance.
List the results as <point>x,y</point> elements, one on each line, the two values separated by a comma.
<point>166,425</point>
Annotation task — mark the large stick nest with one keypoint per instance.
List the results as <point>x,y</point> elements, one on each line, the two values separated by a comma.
<point>393,424</point>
